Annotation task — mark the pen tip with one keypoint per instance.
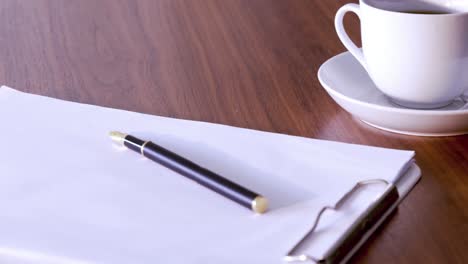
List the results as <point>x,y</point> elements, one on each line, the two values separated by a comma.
<point>260,204</point>
<point>117,137</point>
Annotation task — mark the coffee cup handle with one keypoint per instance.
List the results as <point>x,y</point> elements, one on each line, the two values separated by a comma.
<point>347,42</point>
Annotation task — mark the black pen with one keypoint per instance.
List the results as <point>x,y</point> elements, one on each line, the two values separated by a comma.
<point>189,169</point>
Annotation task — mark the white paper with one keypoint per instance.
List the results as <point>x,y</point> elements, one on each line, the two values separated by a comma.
<point>68,194</point>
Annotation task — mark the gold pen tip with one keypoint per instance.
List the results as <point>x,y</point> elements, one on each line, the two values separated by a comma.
<point>259,204</point>
<point>117,137</point>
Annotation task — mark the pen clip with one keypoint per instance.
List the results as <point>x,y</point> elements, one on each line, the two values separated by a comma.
<point>377,209</point>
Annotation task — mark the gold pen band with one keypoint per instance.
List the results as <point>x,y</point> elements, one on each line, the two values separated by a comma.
<point>142,149</point>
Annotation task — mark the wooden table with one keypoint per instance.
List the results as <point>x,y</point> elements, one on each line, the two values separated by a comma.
<point>249,63</point>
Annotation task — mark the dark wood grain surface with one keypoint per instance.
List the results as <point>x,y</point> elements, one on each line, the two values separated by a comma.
<point>249,63</point>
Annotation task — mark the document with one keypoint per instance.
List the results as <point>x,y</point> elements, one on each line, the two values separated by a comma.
<point>69,195</point>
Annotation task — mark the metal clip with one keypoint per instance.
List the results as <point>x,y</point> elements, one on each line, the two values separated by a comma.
<point>378,208</point>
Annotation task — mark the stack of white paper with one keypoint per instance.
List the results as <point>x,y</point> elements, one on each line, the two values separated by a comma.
<point>67,194</point>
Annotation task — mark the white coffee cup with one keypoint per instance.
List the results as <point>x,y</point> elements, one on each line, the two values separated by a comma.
<point>417,60</point>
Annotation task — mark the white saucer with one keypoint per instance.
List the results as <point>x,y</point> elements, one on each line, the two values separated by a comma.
<point>350,86</point>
